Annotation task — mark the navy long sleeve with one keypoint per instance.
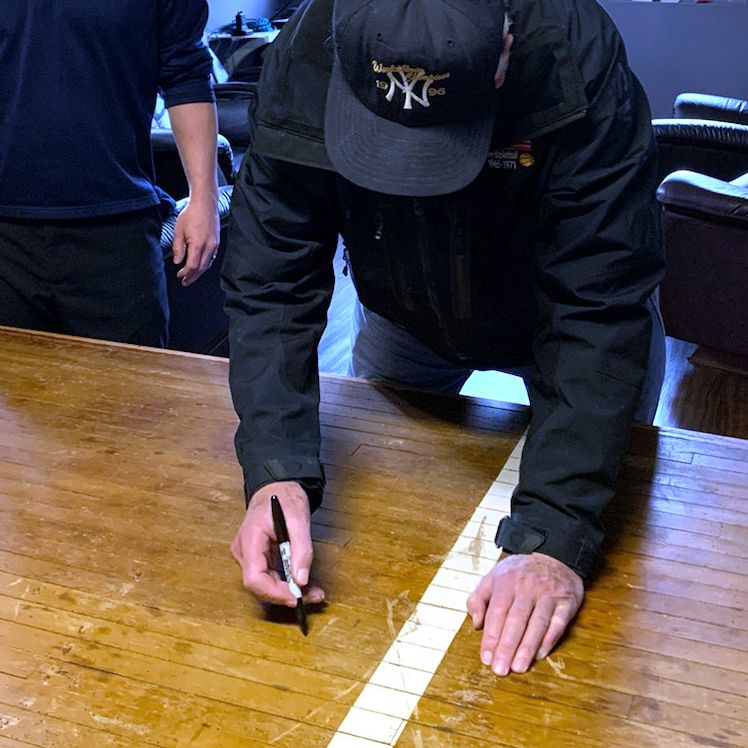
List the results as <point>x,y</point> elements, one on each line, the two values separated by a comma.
<point>78,84</point>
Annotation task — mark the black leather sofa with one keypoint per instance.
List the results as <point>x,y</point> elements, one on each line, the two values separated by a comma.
<point>704,297</point>
<point>692,139</point>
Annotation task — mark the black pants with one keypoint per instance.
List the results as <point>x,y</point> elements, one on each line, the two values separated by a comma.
<point>94,277</point>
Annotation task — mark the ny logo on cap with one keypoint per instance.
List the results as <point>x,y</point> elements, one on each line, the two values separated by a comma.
<point>405,78</point>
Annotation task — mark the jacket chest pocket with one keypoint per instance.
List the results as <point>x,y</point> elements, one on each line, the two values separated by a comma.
<point>390,244</point>
<point>381,250</point>
<point>428,247</point>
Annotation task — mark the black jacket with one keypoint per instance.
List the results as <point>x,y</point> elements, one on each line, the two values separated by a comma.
<point>549,255</point>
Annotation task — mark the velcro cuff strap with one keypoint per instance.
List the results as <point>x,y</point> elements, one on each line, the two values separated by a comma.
<point>515,538</point>
<point>293,468</point>
<point>306,471</point>
<point>576,553</point>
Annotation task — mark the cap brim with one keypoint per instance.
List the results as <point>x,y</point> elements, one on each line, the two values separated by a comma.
<point>384,156</point>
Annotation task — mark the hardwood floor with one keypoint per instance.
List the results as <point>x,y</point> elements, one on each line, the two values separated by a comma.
<point>694,397</point>
<point>700,397</point>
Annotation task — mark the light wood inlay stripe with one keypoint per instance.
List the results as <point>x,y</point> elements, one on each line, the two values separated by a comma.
<point>391,695</point>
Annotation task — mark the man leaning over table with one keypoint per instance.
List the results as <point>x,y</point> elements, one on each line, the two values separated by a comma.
<point>497,213</point>
<point>80,216</point>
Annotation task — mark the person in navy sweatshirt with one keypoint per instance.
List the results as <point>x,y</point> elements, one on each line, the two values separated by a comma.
<point>80,216</point>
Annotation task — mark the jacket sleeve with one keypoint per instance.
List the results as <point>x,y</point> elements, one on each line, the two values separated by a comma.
<point>598,260</point>
<point>184,60</point>
<point>278,279</point>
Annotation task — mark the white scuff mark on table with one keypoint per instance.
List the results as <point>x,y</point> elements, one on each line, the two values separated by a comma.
<point>332,621</point>
<point>390,617</point>
<point>47,672</point>
<point>470,697</point>
<point>417,737</point>
<point>7,721</point>
<point>84,628</point>
<point>314,711</point>
<point>558,666</point>
<point>401,598</point>
<point>220,496</point>
<point>115,722</point>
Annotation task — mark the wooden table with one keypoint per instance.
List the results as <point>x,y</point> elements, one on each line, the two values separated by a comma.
<point>123,621</point>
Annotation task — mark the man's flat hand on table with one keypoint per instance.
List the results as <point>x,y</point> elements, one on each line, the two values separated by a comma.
<point>524,605</point>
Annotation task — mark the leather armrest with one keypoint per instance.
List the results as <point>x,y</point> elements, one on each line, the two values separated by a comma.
<point>231,89</point>
<point>225,159</point>
<point>707,106</point>
<point>233,101</point>
<point>704,197</point>
<point>166,154</point>
<point>702,133</point>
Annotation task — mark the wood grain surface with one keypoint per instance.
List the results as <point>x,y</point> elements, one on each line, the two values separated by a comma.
<point>123,621</point>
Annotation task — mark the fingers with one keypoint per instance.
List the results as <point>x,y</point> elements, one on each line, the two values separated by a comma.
<point>313,594</point>
<point>509,628</point>
<point>263,581</point>
<point>178,248</point>
<point>258,575</point>
<point>524,606</point>
<point>477,603</point>
<point>302,552</point>
<point>255,545</point>
<point>199,259</point>
<point>493,624</point>
<point>536,630</point>
<point>236,549</point>
<point>298,524</point>
<point>195,241</point>
<point>560,620</point>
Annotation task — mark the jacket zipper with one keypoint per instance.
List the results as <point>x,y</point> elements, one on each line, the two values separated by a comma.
<point>460,262</point>
<point>422,233</point>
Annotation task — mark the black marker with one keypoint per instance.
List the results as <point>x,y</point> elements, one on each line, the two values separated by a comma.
<point>279,521</point>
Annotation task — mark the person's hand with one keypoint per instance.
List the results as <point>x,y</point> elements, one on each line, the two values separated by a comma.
<point>196,235</point>
<point>524,605</point>
<point>255,546</point>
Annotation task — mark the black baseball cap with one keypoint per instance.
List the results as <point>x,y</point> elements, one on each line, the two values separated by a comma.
<point>411,101</point>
